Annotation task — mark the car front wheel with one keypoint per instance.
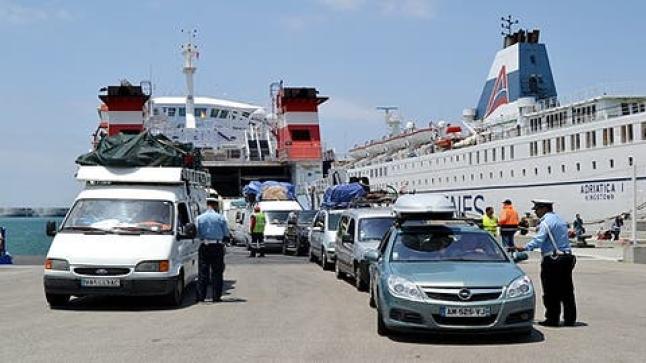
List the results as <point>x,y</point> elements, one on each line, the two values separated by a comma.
<point>57,300</point>
<point>382,329</point>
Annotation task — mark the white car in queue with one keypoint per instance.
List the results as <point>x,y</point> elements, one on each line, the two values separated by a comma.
<point>130,231</point>
<point>322,235</point>
<point>433,272</point>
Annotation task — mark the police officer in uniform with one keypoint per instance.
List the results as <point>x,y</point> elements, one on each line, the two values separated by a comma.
<point>556,266</point>
<point>257,230</point>
<point>213,231</point>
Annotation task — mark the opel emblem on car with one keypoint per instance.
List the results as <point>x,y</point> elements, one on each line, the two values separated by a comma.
<point>101,271</point>
<point>464,294</point>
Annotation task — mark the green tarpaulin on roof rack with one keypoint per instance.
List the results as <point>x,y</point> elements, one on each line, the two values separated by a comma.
<point>144,149</point>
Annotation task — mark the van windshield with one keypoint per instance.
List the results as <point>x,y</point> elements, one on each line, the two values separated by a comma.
<point>277,216</point>
<point>120,215</point>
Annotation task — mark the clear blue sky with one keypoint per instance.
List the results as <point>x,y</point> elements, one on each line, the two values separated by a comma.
<point>429,57</point>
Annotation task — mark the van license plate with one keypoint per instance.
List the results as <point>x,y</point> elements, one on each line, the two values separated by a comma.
<point>465,312</point>
<point>100,282</point>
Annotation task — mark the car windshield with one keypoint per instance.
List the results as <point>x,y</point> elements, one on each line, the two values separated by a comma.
<point>277,216</point>
<point>306,217</point>
<point>120,215</point>
<point>333,221</point>
<point>374,228</point>
<point>446,245</point>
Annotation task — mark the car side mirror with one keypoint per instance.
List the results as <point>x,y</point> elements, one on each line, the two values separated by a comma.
<point>519,256</point>
<point>50,228</point>
<point>346,238</point>
<point>189,231</point>
<point>372,256</point>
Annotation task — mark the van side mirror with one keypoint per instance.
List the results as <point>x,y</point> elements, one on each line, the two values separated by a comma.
<point>372,256</point>
<point>347,238</point>
<point>50,228</point>
<point>189,231</point>
<point>519,256</point>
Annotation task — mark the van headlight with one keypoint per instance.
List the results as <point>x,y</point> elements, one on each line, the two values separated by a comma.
<point>522,286</point>
<point>404,289</point>
<point>57,264</point>
<point>152,266</point>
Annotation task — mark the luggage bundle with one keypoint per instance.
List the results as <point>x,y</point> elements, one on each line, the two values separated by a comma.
<point>144,149</point>
<point>269,190</point>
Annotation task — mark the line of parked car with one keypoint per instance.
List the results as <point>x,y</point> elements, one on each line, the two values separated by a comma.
<point>423,268</point>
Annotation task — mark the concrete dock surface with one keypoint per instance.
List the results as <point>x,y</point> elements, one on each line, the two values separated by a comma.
<point>284,309</point>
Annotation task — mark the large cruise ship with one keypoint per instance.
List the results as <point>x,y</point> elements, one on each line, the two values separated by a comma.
<point>519,143</point>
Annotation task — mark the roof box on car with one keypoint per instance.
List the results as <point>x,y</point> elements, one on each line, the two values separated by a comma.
<point>424,207</point>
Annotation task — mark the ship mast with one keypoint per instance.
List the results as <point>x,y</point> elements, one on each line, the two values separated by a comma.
<point>190,53</point>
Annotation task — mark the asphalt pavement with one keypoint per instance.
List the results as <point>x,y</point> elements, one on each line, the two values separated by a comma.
<point>282,308</point>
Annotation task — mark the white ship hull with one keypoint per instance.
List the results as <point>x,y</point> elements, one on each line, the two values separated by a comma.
<point>600,187</point>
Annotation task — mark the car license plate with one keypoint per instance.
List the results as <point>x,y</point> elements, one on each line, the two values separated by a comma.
<point>465,312</point>
<point>100,282</point>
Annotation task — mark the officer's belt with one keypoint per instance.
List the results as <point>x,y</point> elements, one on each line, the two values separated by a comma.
<point>211,241</point>
<point>558,253</point>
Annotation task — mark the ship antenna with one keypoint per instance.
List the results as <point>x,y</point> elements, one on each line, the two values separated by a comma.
<point>507,25</point>
<point>189,50</point>
<point>392,121</point>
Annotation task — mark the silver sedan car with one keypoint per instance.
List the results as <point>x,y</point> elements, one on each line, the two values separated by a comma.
<point>448,277</point>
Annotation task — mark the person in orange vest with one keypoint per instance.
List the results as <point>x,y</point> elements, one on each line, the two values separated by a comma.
<point>508,222</point>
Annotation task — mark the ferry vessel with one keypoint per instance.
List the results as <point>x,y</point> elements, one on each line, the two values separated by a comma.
<point>519,143</point>
<point>239,142</point>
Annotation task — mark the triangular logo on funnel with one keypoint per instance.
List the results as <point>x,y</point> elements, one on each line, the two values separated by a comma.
<point>499,93</point>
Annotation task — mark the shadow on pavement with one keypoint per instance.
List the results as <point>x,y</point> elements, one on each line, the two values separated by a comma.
<point>142,303</point>
<point>468,339</point>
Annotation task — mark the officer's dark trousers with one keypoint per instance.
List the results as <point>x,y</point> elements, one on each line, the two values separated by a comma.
<point>558,288</point>
<point>211,260</point>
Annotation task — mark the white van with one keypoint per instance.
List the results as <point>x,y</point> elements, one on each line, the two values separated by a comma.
<point>276,213</point>
<point>130,231</point>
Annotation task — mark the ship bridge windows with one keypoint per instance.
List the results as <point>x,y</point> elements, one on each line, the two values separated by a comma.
<point>171,111</point>
<point>608,136</point>
<point>628,108</point>
<point>200,112</point>
<point>590,139</point>
<point>182,112</point>
<point>560,144</point>
<point>533,148</point>
<point>547,146</point>
<point>575,142</point>
<point>584,114</point>
<point>224,113</point>
<point>626,133</point>
<point>214,113</point>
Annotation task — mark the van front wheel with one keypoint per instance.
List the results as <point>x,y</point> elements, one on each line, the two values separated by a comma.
<point>175,297</point>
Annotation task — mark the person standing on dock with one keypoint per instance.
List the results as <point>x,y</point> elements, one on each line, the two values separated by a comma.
<point>490,222</point>
<point>616,227</point>
<point>508,222</point>
<point>213,231</point>
<point>579,230</point>
<point>556,266</point>
<point>257,230</point>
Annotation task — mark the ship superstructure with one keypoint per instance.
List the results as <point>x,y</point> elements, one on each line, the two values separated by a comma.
<point>520,143</point>
<point>239,142</point>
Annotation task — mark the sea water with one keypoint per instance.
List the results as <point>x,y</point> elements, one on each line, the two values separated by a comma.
<point>26,236</point>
